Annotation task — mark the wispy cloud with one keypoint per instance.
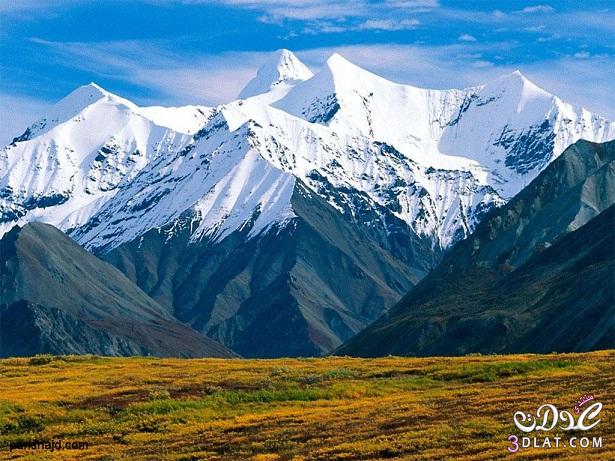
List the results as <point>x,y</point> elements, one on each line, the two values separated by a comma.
<point>9,8</point>
<point>466,38</point>
<point>326,27</point>
<point>537,9</point>
<point>582,55</point>
<point>413,4</point>
<point>387,24</point>
<point>176,78</point>
<point>329,9</point>
<point>336,16</point>
<point>499,14</point>
<point>538,28</point>
<point>277,10</point>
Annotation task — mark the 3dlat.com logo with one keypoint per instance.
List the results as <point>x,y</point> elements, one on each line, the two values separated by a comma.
<point>548,418</point>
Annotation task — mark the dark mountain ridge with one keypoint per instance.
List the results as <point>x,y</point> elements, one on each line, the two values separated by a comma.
<point>56,297</point>
<point>535,276</point>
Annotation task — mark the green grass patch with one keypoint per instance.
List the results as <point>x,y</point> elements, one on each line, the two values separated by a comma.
<point>164,406</point>
<point>489,372</point>
<point>41,359</point>
<point>21,424</point>
<point>278,395</point>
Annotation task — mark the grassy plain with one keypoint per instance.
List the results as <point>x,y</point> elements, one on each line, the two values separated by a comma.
<point>295,409</point>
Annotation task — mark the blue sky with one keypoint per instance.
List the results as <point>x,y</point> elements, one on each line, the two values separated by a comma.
<point>174,52</point>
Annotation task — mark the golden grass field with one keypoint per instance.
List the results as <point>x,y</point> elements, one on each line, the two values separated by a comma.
<point>295,409</point>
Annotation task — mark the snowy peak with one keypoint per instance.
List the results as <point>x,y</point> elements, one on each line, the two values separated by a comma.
<point>289,67</point>
<point>519,84</point>
<point>69,163</point>
<point>71,106</point>
<point>339,74</point>
<point>336,60</point>
<point>282,67</point>
<point>81,98</point>
<point>94,102</point>
<point>84,95</point>
<point>516,77</point>
<point>518,89</point>
<point>338,65</point>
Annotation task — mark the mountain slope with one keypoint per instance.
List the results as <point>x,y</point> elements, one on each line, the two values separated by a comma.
<point>536,275</point>
<point>299,289</point>
<point>70,302</point>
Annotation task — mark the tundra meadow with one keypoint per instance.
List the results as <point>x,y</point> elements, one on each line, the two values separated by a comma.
<point>95,408</point>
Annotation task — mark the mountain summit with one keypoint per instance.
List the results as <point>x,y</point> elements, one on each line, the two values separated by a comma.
<point>282,67</point>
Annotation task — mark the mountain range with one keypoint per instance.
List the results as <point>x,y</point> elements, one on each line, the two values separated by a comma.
<point>285,222</point>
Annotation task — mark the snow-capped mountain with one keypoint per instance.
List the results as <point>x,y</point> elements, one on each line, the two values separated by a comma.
<point>504,132</point>
<point>67,165</point>
<point>174,195</point>
<point>437,158</point>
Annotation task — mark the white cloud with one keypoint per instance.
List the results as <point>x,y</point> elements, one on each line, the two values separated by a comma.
<point>37,7</point>
<point>585,21</point>
<point>277,10</point>
<point>328,27</point>
<point>327,9</point>
<point>549,38</point>
<point>482,63</point>
<point>422,5</point>
<point>538,28</point>
<point>387,24</point>
<point>582,55</point>
<point>466,38</point>
<point>537,9</point>
<point>499,14</point>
